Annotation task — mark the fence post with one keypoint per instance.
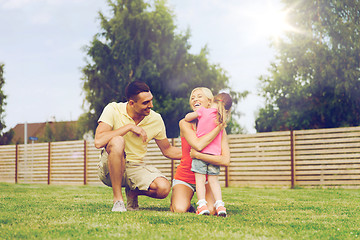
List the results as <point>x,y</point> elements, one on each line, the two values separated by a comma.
<point>226,176</point>
<point>85,163</point>
<point>172,161</point>
<point>292,152</point>
<point>16,162</point>
<point>49,163</point>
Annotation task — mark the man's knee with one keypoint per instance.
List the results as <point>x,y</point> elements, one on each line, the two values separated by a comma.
<point>163,187</point>
<point>116,144</point>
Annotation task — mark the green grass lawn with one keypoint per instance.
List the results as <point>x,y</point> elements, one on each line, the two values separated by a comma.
<point>84,212</point>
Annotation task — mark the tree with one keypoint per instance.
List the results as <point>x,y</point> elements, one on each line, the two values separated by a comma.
<point>49,135</point>
<point>138,42</point>
<point>315,80</point>
<point>60,131</point>
<point>5,137</point>
<point>2,98</point>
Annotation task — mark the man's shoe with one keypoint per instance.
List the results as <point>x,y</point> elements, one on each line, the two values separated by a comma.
<point>221,211</point>
<point>119,206</point>
<point>131,202</point>
<point>203,210</point>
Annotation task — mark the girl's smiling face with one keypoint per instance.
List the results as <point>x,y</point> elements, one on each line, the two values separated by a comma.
<point>198,99</point>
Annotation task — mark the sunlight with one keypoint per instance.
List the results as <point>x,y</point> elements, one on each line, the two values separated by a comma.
<point>271,22</point>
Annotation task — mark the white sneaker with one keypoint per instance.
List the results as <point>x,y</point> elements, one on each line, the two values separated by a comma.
<point>119,206</point>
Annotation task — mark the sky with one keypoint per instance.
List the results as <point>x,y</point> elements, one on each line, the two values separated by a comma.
<point>42,42</point>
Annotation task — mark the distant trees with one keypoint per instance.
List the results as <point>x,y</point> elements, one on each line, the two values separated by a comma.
<point>60,131</point>
<point>315,80</point>
<point>139,42</point>
<point>2,98</point>
<point>5,137</point>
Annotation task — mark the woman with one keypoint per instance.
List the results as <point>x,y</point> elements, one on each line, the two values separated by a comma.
<point>184,180</point>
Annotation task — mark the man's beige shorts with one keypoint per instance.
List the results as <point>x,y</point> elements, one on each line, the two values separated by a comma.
<point>137,175</point>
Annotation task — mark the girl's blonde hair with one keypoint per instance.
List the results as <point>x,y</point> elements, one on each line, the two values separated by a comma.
<point>224,103</point>
<point>207,92</point>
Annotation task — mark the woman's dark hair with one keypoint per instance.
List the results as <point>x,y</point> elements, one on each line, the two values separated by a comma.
<point>134,88</point>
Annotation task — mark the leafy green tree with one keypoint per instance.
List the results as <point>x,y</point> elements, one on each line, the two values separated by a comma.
<point>60,131</point>
<point>5,137</point>
<point>82,126</point>
<point>49,135</point>
<point>2,98</point>
<point>315,80</point>
<point>139,42</point>
<point>65,132</point>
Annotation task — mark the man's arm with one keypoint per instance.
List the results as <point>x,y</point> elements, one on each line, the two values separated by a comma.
<point>104,133</point>
<point>168,150</point>
<point>222,160</point>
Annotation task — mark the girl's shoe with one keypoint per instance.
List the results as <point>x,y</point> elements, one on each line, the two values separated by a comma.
<point>221,211</point>
<point>203,210</point>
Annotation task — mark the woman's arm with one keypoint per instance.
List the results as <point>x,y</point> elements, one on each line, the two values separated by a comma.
<point>221,160</point>
<point>196,143</point>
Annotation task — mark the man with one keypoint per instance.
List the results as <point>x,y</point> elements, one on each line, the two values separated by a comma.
<point>124,130</point>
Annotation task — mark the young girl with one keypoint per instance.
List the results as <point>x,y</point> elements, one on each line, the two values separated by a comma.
<point>208,119</point>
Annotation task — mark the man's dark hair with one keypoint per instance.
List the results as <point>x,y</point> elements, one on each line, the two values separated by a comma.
<point>134,88</point>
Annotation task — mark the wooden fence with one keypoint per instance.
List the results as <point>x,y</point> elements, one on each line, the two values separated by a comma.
<point>306,158</point>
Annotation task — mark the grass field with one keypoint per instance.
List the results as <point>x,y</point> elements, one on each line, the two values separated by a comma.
<point>83,212</point>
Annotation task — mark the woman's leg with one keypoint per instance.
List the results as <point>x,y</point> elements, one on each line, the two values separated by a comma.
<point>181,198</point>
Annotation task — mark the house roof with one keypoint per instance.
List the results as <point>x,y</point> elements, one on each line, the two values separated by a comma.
<point>34,130</point>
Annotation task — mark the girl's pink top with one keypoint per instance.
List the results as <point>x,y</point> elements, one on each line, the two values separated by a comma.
<point>206,123</point>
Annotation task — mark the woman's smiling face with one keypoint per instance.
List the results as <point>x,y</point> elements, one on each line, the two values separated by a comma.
<point>198,99</point>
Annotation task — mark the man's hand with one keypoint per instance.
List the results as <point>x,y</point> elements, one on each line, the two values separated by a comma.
<point>140,132</point>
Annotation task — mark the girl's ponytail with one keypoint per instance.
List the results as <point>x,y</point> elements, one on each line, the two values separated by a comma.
<point>224,103</point>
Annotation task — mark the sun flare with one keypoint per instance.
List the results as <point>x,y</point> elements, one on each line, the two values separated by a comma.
<point>272,22</point>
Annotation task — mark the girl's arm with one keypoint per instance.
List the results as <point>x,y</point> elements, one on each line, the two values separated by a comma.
<point>200,143</point>
<point>221,160</point>
<point>191,116</point>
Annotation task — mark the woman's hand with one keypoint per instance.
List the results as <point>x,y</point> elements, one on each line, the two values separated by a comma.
<point>193,153</point>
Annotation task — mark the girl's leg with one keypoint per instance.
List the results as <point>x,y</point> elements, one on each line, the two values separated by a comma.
<point>215,186</point>
<point>216,189</point>
<point>200,186</point>
<point>181,198</point>
<point>200,193</point>
<point>209,197</point>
